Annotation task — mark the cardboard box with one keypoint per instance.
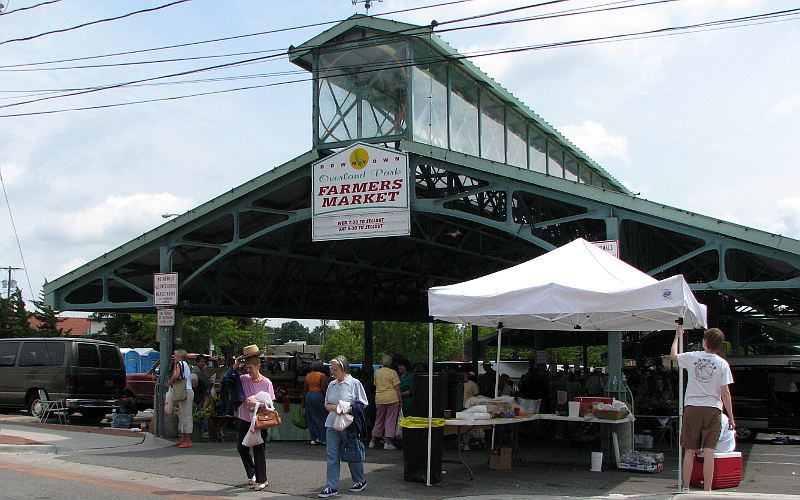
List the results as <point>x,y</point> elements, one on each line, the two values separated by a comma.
<point>502,460</point>
<point>610,414</point>
<point>727,470</point>
<point>587,402</point>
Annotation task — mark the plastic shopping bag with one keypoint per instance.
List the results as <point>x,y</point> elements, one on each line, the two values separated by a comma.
<point>398,431</point>
<point>168,402</point>
<point>343,417</point>
<point>253,436</point>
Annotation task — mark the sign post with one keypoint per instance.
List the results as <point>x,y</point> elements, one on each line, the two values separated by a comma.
<point>165,293</point>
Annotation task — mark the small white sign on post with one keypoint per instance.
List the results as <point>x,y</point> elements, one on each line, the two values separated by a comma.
<point>165,289</point>
<point>610,246</point>
<point>166,317</point>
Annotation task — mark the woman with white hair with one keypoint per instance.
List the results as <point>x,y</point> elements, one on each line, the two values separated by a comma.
<point>345,388</point>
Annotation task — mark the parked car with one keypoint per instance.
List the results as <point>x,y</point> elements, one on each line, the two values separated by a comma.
<point>141,386</point>
<point>88,376</point>
<point>765,394</point>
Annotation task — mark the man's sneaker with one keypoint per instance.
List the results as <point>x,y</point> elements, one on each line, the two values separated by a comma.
<point>313,441</point>
<point>389,446</point>
<point>371,444</point>
<point>359,486</point>
<point>327,492</point>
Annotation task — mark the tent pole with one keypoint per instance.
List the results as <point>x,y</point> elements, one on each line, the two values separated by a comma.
<point>430,399</point>
<point>680,416</point>
<point>497,371</point>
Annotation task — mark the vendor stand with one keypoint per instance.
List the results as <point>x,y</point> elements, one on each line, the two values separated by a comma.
<point>575,287</point>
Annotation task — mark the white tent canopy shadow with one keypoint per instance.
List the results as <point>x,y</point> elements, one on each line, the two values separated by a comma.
<point>575,287</point>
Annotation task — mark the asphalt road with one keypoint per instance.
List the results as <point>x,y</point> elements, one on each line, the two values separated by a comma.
<point>86,468</point>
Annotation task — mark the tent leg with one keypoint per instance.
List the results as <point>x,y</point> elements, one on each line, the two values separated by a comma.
<point>430,400</point>
<point>680,417</point>
<point>497,371</point>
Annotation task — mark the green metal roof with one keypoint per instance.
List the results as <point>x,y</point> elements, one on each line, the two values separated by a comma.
<point>620,200</point>
<point>301,56</point>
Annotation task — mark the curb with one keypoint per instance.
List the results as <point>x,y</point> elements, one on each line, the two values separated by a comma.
<point>27,449</point>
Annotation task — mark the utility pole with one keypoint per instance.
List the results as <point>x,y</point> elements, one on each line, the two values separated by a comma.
<point>10,283</point>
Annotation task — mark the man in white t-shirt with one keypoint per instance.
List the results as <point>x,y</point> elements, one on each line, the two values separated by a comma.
<point>706,393</point>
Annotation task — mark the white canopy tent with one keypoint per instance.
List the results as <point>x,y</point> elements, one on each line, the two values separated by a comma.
<point>575,287</point>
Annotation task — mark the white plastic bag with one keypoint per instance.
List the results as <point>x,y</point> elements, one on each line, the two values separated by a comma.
<point>342,421</point>
<point>343,417</point>
<point>398,431</point>
<point>253,436</point>
<point>168,403</point>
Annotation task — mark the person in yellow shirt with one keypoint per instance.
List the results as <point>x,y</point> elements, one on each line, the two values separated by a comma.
<point>387,403</point>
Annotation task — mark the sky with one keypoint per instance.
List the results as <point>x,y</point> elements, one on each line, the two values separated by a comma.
<point>708,121</point>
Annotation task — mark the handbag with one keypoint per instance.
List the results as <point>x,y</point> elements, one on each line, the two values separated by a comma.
<point>352,450</point>
<point>267,420</point>
<point>179,388</point>
<point>299,417</point>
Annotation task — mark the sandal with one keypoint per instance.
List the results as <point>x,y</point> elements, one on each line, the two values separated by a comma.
<point>261,486</point>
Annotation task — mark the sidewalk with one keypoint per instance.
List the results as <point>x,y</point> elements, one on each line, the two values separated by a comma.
<point>297,469</point>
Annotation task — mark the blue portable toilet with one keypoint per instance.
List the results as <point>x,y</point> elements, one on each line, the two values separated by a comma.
<point>152,357</point>
<point>131,358</point>
<point>145,362</point>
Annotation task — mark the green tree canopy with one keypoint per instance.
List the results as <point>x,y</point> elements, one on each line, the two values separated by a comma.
<point>408,339</point>
<point>14,316</point>
<point>48,320</point>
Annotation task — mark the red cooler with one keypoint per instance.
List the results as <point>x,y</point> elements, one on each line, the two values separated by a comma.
<point>727,470</point>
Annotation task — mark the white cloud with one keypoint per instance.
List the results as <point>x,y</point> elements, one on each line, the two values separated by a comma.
<point>596,141</point>
<point>786,220</point>
<point>10,172</point>
<point>785,107</point>
<point>116,219</point>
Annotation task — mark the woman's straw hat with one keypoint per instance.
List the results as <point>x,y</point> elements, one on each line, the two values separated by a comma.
<point>251,350</point>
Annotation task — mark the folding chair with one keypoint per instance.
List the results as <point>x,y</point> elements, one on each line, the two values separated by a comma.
<point>50,407</point>
<point>666,429</point>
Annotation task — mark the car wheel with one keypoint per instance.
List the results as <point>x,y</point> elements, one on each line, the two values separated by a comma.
<point>745,434</point>
<point>35,405</point>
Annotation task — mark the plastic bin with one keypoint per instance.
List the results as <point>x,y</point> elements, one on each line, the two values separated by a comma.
<point>415,449</point>
<point>419,401</point>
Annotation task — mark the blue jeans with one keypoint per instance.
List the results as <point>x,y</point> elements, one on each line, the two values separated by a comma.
<point>334,440</point>
<point>315,415</point>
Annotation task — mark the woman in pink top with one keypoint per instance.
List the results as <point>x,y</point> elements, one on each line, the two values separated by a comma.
<point>253,382</point>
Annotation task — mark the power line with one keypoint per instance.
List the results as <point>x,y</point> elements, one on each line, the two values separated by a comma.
<point>375,39</point>
<point>16,235</point>
<point>234,37</point>
<point>29,7</point>
<point>711,25</point>
<point>90,23</point>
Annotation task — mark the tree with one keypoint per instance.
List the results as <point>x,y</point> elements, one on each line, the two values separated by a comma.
<point>14,317</point>
<point>347,339</point>
<point>48,320</point>
<point>125,330</point>
<point>408,339</point>
<point>291,330</point>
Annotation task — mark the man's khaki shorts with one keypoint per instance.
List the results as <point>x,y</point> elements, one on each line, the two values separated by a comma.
<point>700,428</point>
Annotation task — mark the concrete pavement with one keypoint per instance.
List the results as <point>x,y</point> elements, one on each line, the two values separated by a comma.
<point>144,463</point>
